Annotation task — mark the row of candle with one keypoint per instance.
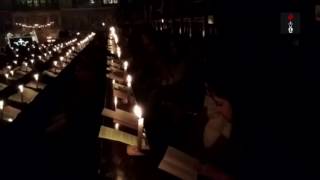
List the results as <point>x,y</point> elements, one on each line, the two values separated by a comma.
<point>137,110</point>
<point>36,76</point>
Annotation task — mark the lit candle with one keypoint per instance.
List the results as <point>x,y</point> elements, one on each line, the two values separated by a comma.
<point>32,55</point>
<point>25,64</point>
<point>12,73</point>
<point>36,78</point>
<point>21,89</point>
<point>138,112</point>
<point>125,65</point>
<point>1,109</point>
<point>119,52</point>
<point>117,126</point>
<point>32,61</point>
<point>15,62</point>
<point>9,67</point>
<point>115,101</point>
<point>116,39</point>
<point>10,120</point>
<point>129,81</point>
<point>6,75</point>
<point>55,64</point>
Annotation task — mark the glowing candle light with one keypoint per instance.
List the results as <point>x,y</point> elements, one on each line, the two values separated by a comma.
<point>21,89</point>
<point>10,120</point>
<point>119,52</point>
<point>36,78</point>
<point>9,67</point>
<point>103,24</point>
<point>117,126</point>
<point>116,39</point>
<point>11,73</point>
<point>129,81</point>
<point>78,33</point>
<point>55,64</point>
<point>6,75</point>
<point>32,61</point>
<point>125,65</point>
<point>1,108</point>
<point>15,62</point>
<point>32,55</point>
<point>112,30</point>
<point>25,64</point>
<point>115,101</point>
<point>138,112</point>
<point>17,55</point>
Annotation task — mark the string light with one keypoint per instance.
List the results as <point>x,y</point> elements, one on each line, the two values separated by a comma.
<point>35,26</point>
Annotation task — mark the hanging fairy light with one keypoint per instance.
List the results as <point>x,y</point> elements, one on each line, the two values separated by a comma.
<point>35,26</point>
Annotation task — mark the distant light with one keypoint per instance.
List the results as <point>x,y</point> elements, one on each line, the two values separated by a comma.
<point>92,2</point>
<point>103,24</point>
<point>78,33</point>
<point>10,120</point>
<point>162,20</point>
<point>210,20</point>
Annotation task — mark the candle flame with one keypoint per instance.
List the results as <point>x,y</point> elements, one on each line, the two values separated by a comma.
<point>125,65</point>
<point>36,77</point>
<point>10,120</point>
<point>1,104</point>
<point>6,75</point>
<point>118,51</point>
<point>115,101</point>
<point>21,88</point>
<point>12,73</point>
<point>137,111</point>
<point>55,63</point>
<point>117,126</point>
